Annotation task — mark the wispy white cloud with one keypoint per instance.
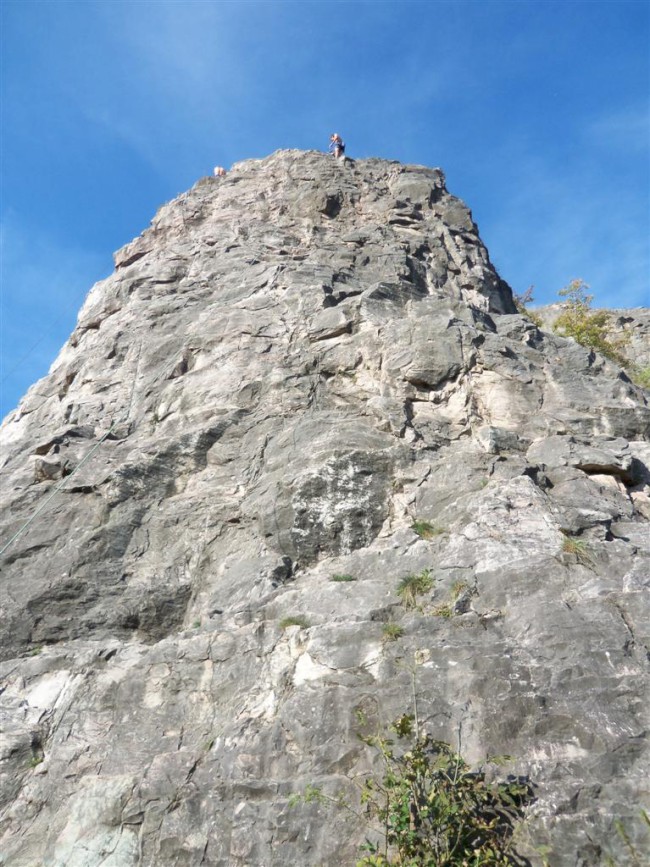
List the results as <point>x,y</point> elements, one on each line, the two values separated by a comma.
<point>174,73</point>
<point>626,129</point>
<point>249,75</point>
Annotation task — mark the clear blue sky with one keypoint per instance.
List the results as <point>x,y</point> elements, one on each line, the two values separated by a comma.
<point>536,110</point>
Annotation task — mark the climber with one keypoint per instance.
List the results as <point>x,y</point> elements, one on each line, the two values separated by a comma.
<point>337,145</point>
<point>219,172</point>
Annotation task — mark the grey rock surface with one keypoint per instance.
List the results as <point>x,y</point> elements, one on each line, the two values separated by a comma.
<point>289,368</point>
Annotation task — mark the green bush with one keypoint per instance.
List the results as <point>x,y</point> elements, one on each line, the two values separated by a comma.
<point>343,578</point>
<point>434,810</point>
<point>412,586</point>
<point>586,326</point>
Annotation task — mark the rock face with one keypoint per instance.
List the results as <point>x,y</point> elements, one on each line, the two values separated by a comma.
<point>287,371</point>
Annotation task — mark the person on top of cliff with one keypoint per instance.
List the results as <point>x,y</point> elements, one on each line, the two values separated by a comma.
<point>337,145</point>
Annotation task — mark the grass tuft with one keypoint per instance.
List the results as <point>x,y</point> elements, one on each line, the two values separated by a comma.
<point>578,549</point>
<point>298,620</point>
<point>425,530</point>
<point>412,586</point>
<point>392,631</point>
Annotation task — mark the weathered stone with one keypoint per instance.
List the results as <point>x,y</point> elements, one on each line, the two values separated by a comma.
<point>49,470</point>
<point>600,455</point>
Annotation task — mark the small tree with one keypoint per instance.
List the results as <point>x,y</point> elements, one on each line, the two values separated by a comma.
<point>586,326</point>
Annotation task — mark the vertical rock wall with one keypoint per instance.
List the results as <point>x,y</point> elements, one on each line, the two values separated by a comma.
<point>290,368</point>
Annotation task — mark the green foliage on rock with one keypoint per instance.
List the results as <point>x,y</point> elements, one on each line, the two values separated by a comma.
<point>578,549</point>
<point>434,810</point>
<point>427,808</point>
<point>412,586</point>
<point>586,326</point>
<point>294,620</point>
<point>636,857</point>
<point>392,631</point>
<point>343,578</point>
<point>641,376</point>
<point>592,328</point>
<point>426,530</point>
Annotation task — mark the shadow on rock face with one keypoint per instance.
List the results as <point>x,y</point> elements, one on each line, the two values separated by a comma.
<point>329,507</point>
<point>339,506</point>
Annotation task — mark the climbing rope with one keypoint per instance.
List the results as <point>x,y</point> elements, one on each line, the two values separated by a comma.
<point>85,459</point>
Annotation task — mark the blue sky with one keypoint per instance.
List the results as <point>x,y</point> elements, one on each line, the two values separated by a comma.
<point>536,110</point>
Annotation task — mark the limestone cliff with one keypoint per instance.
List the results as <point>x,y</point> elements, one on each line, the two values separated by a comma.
<point>289,369</point>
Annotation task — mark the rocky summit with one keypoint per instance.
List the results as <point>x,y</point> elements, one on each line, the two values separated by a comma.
<point>304,383</point>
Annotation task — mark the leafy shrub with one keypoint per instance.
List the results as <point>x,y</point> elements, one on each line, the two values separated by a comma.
<point>299,620</point>
<point>343,578</point>
<point>412,586</point>
<point>586,326</point>
<point>434,810</point>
